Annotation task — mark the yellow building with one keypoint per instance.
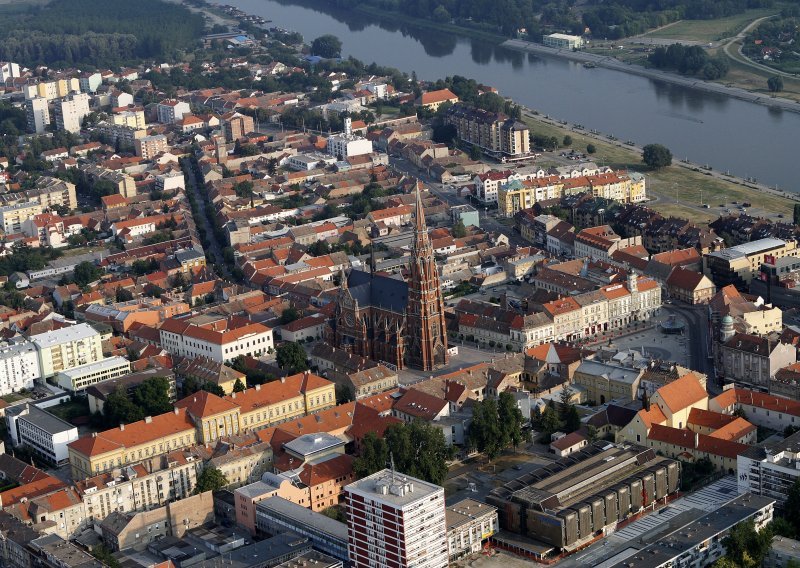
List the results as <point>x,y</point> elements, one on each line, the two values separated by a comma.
<point>13,216</point>
<point>201,418</point>
<point>132,118</point>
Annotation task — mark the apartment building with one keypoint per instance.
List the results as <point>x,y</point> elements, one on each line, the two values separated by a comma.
<point>237,126</point>
<point>219,338</point>
<point>37,114</point>
<point>131,118</point>
<point>8,70</point>
<point>90,82</point>
<point>125,184</point>
<point>51,192</point>
<point>395,520</point>
<point>170,111</point>
<point>19,367</point>
<point>52,89</point>
<point>770,470</point>
<point>67,348</point>
<point>12,217</point>
<point>70,112</point>
<point>147,147</point>
<point>493,132</point>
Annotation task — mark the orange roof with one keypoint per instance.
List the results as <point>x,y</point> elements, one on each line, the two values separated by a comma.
<point>682,393</point>
<point>277,391</point>
<point>685,438</point>
<point>734,430</point>
<point>709,419</point>
<point>30,490</point>
<point>328,470</point>
<point>677,257</point>
<point>442,95</point>
<point>726,398</point>
<point>561,306</point>
<point>203,404</point>
<point>114,200</point>
<point>652,416</point>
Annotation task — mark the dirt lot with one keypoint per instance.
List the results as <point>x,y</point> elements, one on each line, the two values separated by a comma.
<point>498,558</point>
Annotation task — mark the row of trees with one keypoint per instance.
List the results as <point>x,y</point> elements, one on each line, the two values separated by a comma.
<point>689,60</point>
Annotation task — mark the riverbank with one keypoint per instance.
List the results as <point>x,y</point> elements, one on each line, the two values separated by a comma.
<point>682,189</point>
<point>609,62</point>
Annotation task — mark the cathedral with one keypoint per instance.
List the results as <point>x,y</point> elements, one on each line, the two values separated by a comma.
<point>389,320</point>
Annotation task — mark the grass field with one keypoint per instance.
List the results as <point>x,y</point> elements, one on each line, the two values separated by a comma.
<point>710,30</point>
<point>664,183</point>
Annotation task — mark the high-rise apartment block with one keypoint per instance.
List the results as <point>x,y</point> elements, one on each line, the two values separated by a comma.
<point>37,114</point>
<point>494,132</point>
<point>70,112</point>
<point>395,521</point>
<point>8,70</point>
<point>171,111</point>
<point>148,146</point>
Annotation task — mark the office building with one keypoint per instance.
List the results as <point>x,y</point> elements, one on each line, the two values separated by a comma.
<point>568,503</point>
<point>37,114</point>
<point>562,41</point>
<point>740,264</point>
<point>46,435</point>
<point>80,378</point>
<point>147,147</point>
<point>67,348</point>
<point>275,515</point>
<point>220,339</point>
<point>770,470</point>
<point>19,367</point>
<point>70,112</point>
<point>396,521</point>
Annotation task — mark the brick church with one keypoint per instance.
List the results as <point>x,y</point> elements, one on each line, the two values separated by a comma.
<point>390,320</point>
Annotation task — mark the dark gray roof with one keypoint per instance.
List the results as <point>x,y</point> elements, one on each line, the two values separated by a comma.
<point>379,291</point>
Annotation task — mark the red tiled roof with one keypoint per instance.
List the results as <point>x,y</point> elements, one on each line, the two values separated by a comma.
<point>685,438</point>
<point>682,393</point>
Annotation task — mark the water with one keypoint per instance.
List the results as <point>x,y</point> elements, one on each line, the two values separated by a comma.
<point>746,139</point>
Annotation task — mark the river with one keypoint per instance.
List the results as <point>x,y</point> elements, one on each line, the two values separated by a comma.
<point>747,139</point>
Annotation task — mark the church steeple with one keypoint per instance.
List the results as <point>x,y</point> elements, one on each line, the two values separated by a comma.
<point>425,313</point>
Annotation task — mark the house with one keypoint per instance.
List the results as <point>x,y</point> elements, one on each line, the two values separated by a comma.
<point>566,444</point>
<point>432,100</point>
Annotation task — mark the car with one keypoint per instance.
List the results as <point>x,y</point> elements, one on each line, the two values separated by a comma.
<point>483,292</point>
<point>735,202</point>
<point>780,215</point>
<point>722,205</point>
<point>747,204</point>
<point>518,467</point>
<point>706,206</point>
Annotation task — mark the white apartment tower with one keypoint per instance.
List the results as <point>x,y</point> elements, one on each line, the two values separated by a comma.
<point>19,367</point>
<point>37,114</point>
<point>8,70</point>
<point>70,112</point>
<point>171,111</point>
<point>67,348</point>
<point>396,521</point>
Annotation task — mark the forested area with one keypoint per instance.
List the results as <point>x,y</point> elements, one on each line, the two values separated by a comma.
<point>97,33</point>
<point>609,20</point>
<point>689,60</point>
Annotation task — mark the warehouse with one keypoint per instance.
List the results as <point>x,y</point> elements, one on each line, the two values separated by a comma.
<point>571,501</point>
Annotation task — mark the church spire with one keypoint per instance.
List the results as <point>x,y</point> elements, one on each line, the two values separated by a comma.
<point>420,228</point>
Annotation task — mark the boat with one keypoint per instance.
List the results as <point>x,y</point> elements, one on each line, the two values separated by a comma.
<point>589,65</point>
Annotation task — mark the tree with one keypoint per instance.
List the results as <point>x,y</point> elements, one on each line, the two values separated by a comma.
<point>475,153</point>
<point>123,295</point>
<point>746,546</point>
<point>374,455</point>
<point>796,213</point>
<point>567,140</point>
<point>572,422</point>
<point>289,315</point>
<point>291,357</point>
<point>328,46</point>
<point>510,418</point>
<point>591,433</point>
<point>152,396</point>
<point>86,272</point>
<point>210,479</point>
<point>459,230</point>
<point>566,400</point>
<point>344,393</point>
<point>792,506</point>
<point>548,421</point>
<point>591,149</point>
<point>239,386</point>
<point>775,84</point>
<point>656,156</point>
<point>119,409</point>
<point>419,450</point>
<point>485,432</point>
<point>781,526</point>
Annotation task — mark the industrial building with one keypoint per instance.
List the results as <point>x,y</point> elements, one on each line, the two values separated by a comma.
<point>579,497</point>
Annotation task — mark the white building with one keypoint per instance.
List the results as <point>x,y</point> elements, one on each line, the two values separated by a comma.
<point>8,70</point>
<point>348,144</point>
<point>171,111</point>
<point>170,181</point>
<point>46,435</point>
<point>563,41</point>
<point>469,524</point>
<point>67,348</point>
<point>396,521</point>
<point>308,162</point>
<point>770,470</point>
<point>221,340</point>
<point>12,217</point>
<point>70,112</point>
<point>89,82</point>
<point>19,367</point>
<point>37,114</point>
<point>79,378</point>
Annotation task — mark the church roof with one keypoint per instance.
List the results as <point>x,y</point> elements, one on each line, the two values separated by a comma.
<point>378,291</point>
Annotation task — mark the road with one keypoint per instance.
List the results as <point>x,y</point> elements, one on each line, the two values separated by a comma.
<point>697,319</point>
<point>743,59</point>
<point>216,249</point>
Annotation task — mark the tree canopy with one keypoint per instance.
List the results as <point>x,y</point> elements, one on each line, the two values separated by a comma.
<point>327,45</point>
<point>656,156</point>
<point>210,479</point>
<point>291,357</point>
<point>496,424</point>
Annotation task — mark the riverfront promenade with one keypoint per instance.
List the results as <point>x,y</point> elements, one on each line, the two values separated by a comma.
<point>656,74</point>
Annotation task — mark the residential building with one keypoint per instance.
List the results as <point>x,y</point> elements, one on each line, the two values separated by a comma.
<point>771,469</point>
<point>37,114</point>
<point>495,133</point>
<point>51,192</point>
<point>147,147</point>
<point>275,515</point>
<point>562,41</point>
<point>14,216</point>
<point>470,524</point>
<point>433,99</point>
<point>19,367</point>
<point>237,126</point>
<point>690,286</point>
<point>751,360</point>
<point>80,378</point>
<point>8,70</point>
<point>588,492</point>
<point>607,381</point>
<point>738,265</point>
<point>170,111</point>
<point>70,112</point>
<point>89,82</point>
<point>124,184</point>
<point>66,348</point>
<point>14,539</point>
<point>762,409</point>
<point>219,338</point>
<point>304,329</point>
<point>204,370</point>
<point>396,521</point>
<point>46,435</point>
<point>701,541</point>
<point>366,382</point>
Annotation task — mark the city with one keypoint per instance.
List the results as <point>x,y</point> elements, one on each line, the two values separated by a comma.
<point>264,306</point>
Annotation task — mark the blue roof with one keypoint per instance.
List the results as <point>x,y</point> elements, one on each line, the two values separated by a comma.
<point>379,291</point>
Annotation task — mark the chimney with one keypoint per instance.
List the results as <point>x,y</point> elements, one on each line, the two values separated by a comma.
<point>258,387</point>
<point>148,419</point>
<point>233,394</point>
<point>175,410</point>
<point>696,439</point>
<point>122,427</point>
<point>283,379</point>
